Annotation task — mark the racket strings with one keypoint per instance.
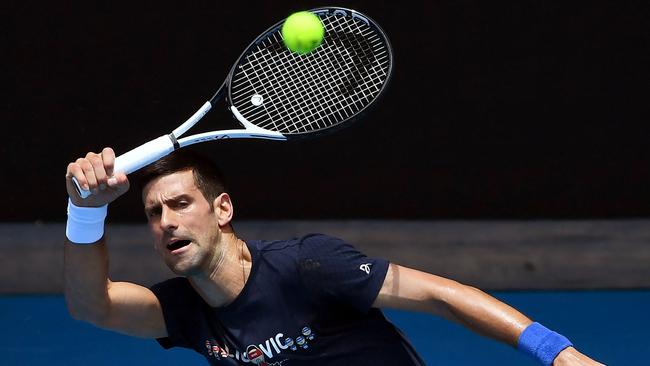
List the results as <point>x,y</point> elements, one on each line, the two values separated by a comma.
<point>314,91</point>
<point>330,91</point>
<point>271,109</point>
<point>274,46</point>
<point>283,75</point>
<point>295,92</point>
<point>362,49</point>
<point>362,52</point>
<point>346,71</point>
<point>303,87</point>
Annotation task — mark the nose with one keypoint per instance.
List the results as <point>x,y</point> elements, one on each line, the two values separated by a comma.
<point>168,220</point>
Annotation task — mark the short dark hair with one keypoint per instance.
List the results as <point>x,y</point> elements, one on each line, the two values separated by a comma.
<point>207,175</point>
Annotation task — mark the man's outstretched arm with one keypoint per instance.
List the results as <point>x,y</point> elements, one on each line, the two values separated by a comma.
<point>409,289</point>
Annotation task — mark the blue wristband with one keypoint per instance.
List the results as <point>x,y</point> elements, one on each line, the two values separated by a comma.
<point>542,343</point>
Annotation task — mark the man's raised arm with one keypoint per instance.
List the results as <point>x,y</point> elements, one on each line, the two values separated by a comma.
<point>90,295</point>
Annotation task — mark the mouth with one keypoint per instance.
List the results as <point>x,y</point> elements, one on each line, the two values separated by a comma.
<point>177,244</point>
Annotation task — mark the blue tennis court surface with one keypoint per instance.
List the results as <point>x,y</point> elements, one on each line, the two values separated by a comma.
<point>612,326</point>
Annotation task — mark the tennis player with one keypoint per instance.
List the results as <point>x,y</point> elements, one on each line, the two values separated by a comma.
<point>313,300</point>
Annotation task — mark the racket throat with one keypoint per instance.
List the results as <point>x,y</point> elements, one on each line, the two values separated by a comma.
<point>253,128</point>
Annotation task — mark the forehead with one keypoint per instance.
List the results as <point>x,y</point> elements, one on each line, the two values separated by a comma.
<point>171,185</point>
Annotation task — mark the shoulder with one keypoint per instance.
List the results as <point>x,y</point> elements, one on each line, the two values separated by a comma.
<point>334,271</point>
<point>321,245</point>
<point>320,239</point>
<point>300,251</point>
<point>297,245</point>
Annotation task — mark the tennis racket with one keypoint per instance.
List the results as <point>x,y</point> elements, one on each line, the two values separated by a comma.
<point>277,94</point>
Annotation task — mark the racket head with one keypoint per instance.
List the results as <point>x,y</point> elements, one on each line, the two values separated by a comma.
<point>320,92</point>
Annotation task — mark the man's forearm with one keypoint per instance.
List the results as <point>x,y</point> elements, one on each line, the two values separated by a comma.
<point>86,280</point>
<point>487,315</point>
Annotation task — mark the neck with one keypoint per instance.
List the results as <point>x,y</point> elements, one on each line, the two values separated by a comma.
<point>226,276</point>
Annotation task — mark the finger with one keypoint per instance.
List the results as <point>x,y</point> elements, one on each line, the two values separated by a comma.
<point>89,173</point>
<point>98,167</point>
<point>118,181</point>
<point>108,156</point>
<point>74,170</point>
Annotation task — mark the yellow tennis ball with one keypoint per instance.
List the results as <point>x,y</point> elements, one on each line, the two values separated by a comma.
<point>302,32</point>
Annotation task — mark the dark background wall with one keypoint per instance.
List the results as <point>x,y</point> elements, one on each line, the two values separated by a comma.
<point>517,110</point>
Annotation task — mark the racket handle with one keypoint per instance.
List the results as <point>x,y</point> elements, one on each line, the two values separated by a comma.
<point>137,158</point>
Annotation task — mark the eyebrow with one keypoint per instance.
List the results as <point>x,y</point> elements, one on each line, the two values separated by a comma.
<point>176,198</point>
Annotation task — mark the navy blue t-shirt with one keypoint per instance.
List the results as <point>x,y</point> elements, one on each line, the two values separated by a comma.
<point>307,301</point>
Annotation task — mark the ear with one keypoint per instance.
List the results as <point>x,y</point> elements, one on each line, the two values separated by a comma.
<point>223,209</point>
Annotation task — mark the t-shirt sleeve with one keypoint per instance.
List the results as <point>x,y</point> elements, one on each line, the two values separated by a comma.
<point>333,270</point>
<point>175,298</point>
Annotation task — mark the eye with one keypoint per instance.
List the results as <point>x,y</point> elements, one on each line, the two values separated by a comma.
<point>182,204</point>
<point>153,212</point>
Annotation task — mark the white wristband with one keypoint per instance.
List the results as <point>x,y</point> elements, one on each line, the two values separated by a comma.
<point>85,224</point>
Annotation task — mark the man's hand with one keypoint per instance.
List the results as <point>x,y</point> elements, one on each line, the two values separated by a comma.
<point>571,357</point>
<point>95,173</point>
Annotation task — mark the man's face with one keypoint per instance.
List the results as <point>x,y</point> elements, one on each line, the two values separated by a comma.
<point>184,227</point>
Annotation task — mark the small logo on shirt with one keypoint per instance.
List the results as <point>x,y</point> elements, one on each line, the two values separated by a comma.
<point>256,356</point>
<point>217,351</point>
<point>365,267</point>
<point>301,341</point>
